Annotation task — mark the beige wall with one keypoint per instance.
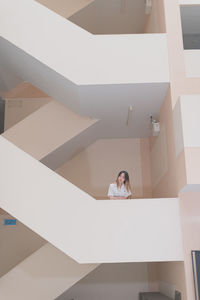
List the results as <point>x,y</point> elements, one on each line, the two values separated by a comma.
<point>155,22</point>
<point>17,243</point>
<point>65,8</point>
<point>146,167</point>
<point>167,277</point>
<point>46,129</point>
<point>190,208</point>
<point>17,109</point>
<point>111,281</point>
<point>97,166</point>
<point>22,101</point>
<point>164,277</point>
<point>121,16</point>
<point>112,17</point>
<point>44,275</point>
<point>24,90</point>
<point>171,277</point>
<point>163,156</point>
<point>153,282</point>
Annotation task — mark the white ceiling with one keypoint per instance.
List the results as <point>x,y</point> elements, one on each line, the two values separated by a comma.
<point>190,16</point>
<point>112,16</point>
<point>110,104</point>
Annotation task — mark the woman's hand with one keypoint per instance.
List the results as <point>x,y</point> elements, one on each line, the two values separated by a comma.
<point>118,198</point>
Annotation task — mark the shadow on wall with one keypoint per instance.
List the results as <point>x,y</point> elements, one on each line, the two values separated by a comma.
<point>111,282</point>
<point>112,17</point>
<point>18,242</point>
<point>128,280</point>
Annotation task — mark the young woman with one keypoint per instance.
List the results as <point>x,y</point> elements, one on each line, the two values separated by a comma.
<point>121,189</point>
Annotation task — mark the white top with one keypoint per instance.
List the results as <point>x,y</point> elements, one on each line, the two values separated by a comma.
<point>114,191</point>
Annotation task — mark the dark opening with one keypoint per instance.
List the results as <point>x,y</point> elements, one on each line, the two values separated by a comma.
<point>190,18</point>
<point>2,115</point>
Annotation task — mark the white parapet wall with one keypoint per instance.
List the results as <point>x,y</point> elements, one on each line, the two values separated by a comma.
<point>189,2</point>
<point>187,139</point>
<point>87,230</point>
<point>187,122</point>
<point>76,54</point>
<point>192,63</point>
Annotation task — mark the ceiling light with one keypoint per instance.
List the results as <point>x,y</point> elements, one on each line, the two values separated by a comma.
<point>129,114</point>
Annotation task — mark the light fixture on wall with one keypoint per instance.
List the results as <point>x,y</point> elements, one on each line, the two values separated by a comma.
<point>130,110</point>
<point>155,125</point>
<point>148,6</point>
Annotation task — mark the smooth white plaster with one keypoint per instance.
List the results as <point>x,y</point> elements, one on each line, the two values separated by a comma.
<point>192,63</point>
<point>189,110</point>
<point>189,2</point>
<point>107,69</point>
<point>94,231</point>
<point>98,101</point>
<point>79,56</point>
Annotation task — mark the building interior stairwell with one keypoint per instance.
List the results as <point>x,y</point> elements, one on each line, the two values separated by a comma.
<point>133,144</point>
<point>78,97</point>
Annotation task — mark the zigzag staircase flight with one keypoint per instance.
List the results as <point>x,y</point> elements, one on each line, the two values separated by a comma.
<point>51,133</point>
<point>78,64</point>
<point>79,229</point>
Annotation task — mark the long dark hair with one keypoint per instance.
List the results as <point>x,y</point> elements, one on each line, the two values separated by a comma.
<point>126,181</point>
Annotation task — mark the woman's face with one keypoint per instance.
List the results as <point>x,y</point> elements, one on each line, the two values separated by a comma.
<point>121,178</point>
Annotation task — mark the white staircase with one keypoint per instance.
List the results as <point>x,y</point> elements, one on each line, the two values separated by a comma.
<point>44,275</point>
<point>88,231</point>
<point>76,63</point>
<point>53,133</point>
<point>83,229</point>
<point>72,65</point>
